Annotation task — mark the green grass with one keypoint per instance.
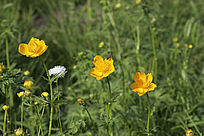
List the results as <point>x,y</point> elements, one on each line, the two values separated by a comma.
<point>139,39</point>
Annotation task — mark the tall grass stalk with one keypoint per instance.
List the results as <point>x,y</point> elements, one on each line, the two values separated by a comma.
<point>22,109</point>
<point>148,117</point>
<point>4,127</point>
<point>51,96</point>
<point>108,106</point>
<point>7,54</point>
<point>60,122</point>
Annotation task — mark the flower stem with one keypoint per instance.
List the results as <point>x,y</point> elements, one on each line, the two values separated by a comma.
<point>60,122</point>
<point>108,106</point>
<point>51,95</point>
<point>22,107</point>
<point>40,120</point>
<point>148,114</point>
<point>88,114</point>
<point>4,127</point>
<point>7,54</point>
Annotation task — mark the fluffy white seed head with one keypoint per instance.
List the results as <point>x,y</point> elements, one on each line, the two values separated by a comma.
<point>57,70</point>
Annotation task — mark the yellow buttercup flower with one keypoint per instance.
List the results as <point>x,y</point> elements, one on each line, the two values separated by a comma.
<point>45,94</point>
<point>2,67</point>
<point>143,83</point>
<point>190,46</point>
<point>20,94</point>
<point>189,132</point>
<point>80,101</point>
<point>33,49</point>
<point>18,132</point>
<point>28,84</point>
<point>102,68</point>
<point>118,5</point>
<point>5,107</point>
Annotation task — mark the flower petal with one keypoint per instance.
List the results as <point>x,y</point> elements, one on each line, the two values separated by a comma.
<point>23,49</point>
<point>140,76</point>
<point>98,61</point>
<point>149,78</point>
<point>152,86</point>
<point>97,74</point>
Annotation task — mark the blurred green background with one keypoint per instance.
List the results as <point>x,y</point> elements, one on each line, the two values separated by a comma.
<point>141,36</point>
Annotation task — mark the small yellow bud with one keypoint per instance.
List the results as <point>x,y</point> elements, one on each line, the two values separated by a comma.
<point>127,7</point>
<point>35,103</point>
<point>175,39</point>
<point>189,132</point>
<point>45,94</point>
<point>91,95</point>
<point>69,88</point>
<point>2,67</point>
<point>80,53</point>
<point>20,94</point>
<point>27,92</point>
<point>101,44</point>
<point>26,73</point>
<point>28,84</point>
<point>138,1</point>
<point>80,101</point>
<point>18,132</point>
<point>118,5</point>
<point>5,107</point>
<point>190,46</point>
<point>75,66</point>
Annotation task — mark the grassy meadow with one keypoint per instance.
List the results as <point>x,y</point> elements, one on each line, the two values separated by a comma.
<point>161,37</point>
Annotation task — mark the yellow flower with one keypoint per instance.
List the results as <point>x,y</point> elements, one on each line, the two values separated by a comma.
<point>190,46</point>
<point>102,68</point>
<point>45,94</point>
<point>33,49</point>
<point>189,132</point>
<point>80,101</point>
<point>28,84</point>
<point>26,73</point>
<point>143,83</point>
<point>118,5</point>
<point>5,107</point>
<point>20,94</point>
<point>75,66</point>
<point>138,1</point>
<point>18,132</point>
<point>175,39</point>
<point>101,44</point>
<point>2,68</point>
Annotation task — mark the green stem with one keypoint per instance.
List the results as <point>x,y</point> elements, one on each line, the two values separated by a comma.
<point>40,119</point>
<point>22,107</point>
<point>60,123</point>
<point>4,127</point>
<point>148,114</point>
<point>108,106</point>
<point>88,114</point>
<point>7,54</point>
<point>51,95</point>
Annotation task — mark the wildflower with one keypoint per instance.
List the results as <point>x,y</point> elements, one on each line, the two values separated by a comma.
<point>44,94</point>
<point>138,1</point>
<point>190,46</point>
<point>143,83</point>
<point>33,49</point>
<point>80,101</point>
<point>5,107</point>
<point>20,94</point>
<point>27,92</point>
<point>175,39</point>
<point>118,5</point>
<point>2,67</point>
<point>57,71</point>
<point>26,73</point>
<point>80,53</point>
<point>18,132</point>
<point>189,132</point>
<point>101,44</point>
<point>102,68</point>
<point>28,84</point>
<point>75,66</point>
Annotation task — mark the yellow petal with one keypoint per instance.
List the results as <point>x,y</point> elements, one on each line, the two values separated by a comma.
<point>97,74</point>
<point>98,61</point>
<point>23,49</point>
<point>140,76</point>
<point>149,78</point>
<point>152,86</point>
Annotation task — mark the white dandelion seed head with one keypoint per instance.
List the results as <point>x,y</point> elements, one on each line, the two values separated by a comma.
<point>57,70</point>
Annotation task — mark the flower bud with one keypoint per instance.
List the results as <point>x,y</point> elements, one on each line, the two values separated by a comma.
<point>2,67</point>
<point>5,107</point>
<point>80,101</point>
<point>20,94</point>
<point>18,132</point>
<point>26,73</point>
<point>45,94</point>
<point>28,84</point>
